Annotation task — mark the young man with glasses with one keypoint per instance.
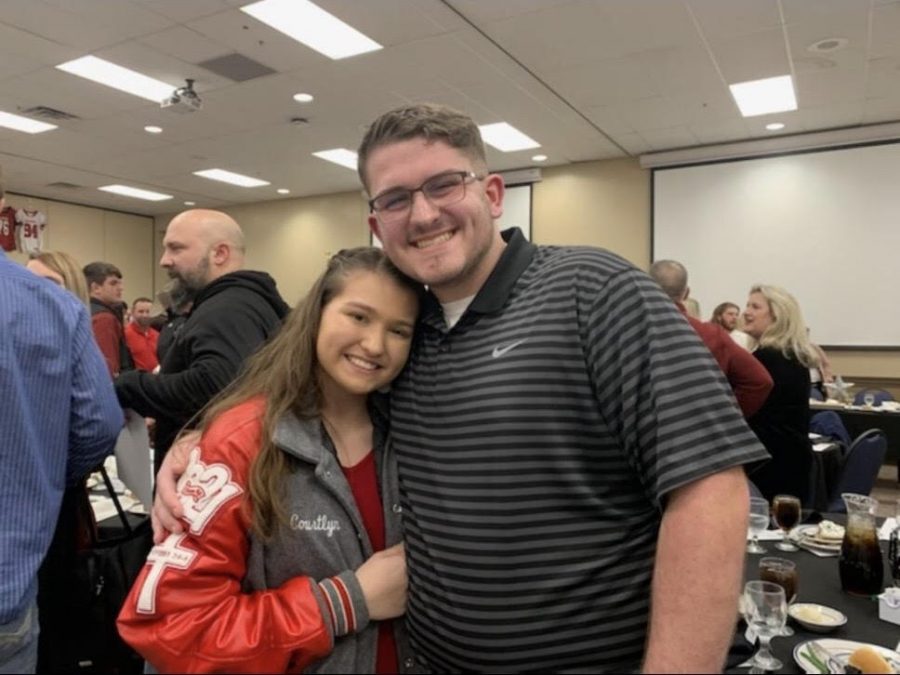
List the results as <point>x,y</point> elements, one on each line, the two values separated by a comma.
<point>569,456</point>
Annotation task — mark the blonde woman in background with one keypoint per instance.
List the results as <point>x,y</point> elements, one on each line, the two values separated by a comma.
<point>773,318</point>
<point>62,269</point>
<point>56,579</point>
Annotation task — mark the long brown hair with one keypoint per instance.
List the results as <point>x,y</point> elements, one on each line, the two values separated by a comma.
<point>285,373</point>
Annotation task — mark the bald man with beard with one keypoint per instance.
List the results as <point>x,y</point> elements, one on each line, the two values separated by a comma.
<point>234,312</point>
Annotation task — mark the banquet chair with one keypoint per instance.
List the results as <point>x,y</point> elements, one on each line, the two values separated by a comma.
<point>881,395</point>
<point>829,423</point>
<point>861,466</point>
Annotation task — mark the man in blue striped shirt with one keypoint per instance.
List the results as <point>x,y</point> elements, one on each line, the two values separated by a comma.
<point>59,418</point>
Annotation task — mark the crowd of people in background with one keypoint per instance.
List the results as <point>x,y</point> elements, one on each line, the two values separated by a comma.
<point>365,466</point>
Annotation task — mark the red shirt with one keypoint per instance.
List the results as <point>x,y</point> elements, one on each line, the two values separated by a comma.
<point>748,378</point>
<point>142,346</point>
<point>8,229</point>
<point>363,481</point>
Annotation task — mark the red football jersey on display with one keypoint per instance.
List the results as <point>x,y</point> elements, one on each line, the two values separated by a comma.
<point>30,230</point>
<point>8,229</point>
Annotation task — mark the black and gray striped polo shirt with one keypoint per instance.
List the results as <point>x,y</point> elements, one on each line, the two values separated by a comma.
<point>536,441</point>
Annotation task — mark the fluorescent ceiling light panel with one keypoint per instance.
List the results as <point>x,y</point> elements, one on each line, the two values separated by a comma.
<point>343,156</point>
<point>26,124</point>
<point>317,29</point>
<point>137,193</point>
<point>231,177</point>
<point>761,97</point>
<point>118,77</point>
<point>506,137</point>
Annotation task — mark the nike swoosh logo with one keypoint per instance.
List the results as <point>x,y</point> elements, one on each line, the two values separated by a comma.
<point>500,351</point>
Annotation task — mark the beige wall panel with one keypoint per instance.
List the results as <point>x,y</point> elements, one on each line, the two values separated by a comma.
<point>90,234</point>
<point>604,203</point>
<point>291,239</point>
<point>851,364</point>
<point>128,244</point>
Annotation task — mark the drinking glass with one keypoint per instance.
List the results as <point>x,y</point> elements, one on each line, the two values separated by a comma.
<point>869,399</point>
<point>784,573</point>
<point>786,510</point>
<point>765,610</point>
<point>759,521</point>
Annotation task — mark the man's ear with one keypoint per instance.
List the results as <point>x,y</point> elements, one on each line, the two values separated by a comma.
<point>221,253</point>
<point>494,189</point>
<point>374,226</point>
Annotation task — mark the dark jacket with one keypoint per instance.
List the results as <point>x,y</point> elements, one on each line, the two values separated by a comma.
<point>782,425</point>
<point>107,324</point>
<point>230,319</point>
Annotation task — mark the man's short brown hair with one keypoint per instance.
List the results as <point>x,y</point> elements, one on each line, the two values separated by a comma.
<point>99,272</point>
<point>430,121</point>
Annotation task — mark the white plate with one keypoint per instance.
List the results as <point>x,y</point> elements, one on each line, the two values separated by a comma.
<point>835,618</point>
<point>841,651</point>
<point>803,536</point>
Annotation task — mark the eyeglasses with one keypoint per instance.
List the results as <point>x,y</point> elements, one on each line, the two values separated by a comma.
<point>441,190</point>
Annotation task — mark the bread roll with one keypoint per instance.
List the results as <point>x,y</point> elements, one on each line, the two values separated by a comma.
<point>869,661</point>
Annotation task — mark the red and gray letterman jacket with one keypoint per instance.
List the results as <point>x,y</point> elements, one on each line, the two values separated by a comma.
<point>216,598</point>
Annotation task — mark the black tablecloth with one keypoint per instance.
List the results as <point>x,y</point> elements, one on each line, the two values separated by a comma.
<point>819,582</point>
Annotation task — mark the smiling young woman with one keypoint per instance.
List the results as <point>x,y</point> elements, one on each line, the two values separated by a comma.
<point>292,554</point>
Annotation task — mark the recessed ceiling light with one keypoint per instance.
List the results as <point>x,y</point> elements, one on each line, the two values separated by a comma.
<point>828,45</point>
<point>190,203</point>
<point>506,137</point>
<point>283,191</point>
<point>231,177</point>
<point>539,158</point>
<point>117,77</point>
<point>137,193</point>
<point>153,130</point>
<point>26,124</point>
<point>761,97</point>
<point>775,126</point>
<point>303,98</point>
<point>317,29</point>
<point>342,156</point>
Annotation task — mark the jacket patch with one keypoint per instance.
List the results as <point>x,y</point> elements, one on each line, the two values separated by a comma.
<point>203,489</point>
<point>161,556</point>
<point>320,523</point>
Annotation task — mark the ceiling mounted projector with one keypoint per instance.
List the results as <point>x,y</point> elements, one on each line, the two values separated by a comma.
<point>183,100</point>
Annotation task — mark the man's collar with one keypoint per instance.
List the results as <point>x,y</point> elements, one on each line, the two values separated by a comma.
<point>494,292</point>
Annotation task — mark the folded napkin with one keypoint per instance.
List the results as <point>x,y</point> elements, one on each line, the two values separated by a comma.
<point>767,535</point>
<point>888,526</point>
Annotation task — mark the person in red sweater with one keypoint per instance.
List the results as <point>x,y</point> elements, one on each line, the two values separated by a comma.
<point>141,337</point>
<point>105,288</point>
<point>749,380</point>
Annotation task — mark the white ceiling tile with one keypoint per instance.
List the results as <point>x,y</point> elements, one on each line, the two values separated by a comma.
<point>185,44</point>
<point>633,143</point>
<point>181,10</point>
<point>751,56</point>
<point>801,11</point>
<point>669,139</point>
<point>720,132</point>
<point>561,37</point>
<point>85,24</point>
<point>718,19</point>
<point>885,40</point>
